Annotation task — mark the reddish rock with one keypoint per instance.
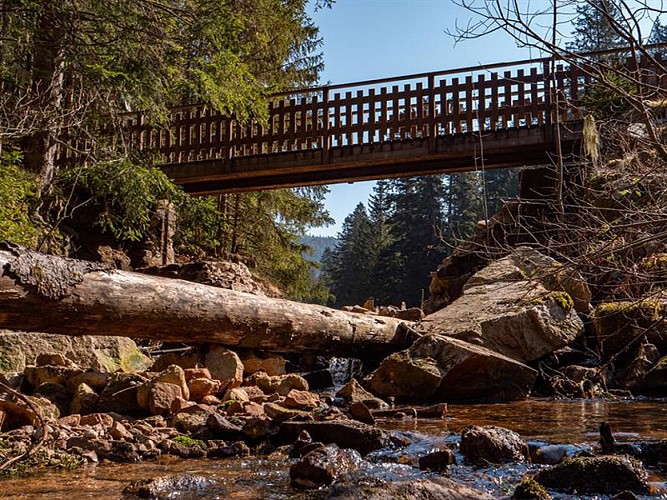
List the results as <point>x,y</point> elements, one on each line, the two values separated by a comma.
<point>271,364</point>
<point>84,400</point>
<point>161,397</point>
<point>193,373</point>
<point>301,400</point>
<point>202,387</point>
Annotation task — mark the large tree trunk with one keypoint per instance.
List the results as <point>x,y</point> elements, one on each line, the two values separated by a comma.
<point>57,295</point>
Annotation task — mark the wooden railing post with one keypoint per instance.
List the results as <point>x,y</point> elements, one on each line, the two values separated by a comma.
<point>432,132</point>
<point>326,144</point>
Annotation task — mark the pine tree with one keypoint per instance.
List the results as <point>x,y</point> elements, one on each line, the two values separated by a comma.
<point>594,27</point>
<point>345,269</point>
<point>465,205</point>
<point>416,225</point>
<point>658,33</point>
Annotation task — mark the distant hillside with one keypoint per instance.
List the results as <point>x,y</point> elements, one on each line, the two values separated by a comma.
<point>318,244</point>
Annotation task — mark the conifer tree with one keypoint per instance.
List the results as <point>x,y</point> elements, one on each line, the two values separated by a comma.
<point>594,28</point>
<point>345,269</point>
<point>416,224</point>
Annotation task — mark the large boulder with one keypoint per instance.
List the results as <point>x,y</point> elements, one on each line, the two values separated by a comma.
<point>98,353</point>
<point>490,444</point>
<point>440,368</point>
<point>432,488</point>
<point>597,475</point>
<point>224,365</point>
<point>521,320</point>
<point>323,466</point>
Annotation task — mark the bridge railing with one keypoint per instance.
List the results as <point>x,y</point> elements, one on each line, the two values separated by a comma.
<point>413,107</point>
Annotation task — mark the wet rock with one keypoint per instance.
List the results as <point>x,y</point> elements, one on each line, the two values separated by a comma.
<point>441,368</point>
<point>492,445</point>
<point>597,475</point>
<point>301,400</point>
<point>271,364</point>
<point>437,460</point>
<point>98,353</point>
<point>427,489</point>
<point>353,392</point>
<point>359,411</point>
<point>322,466</point>
<point>521,320</point>
<point>120,394</point>
<point>344,433</point>
<point>550,454</point>
<point>529,489</point>
<point>167,486</point>
<point>224,365</point>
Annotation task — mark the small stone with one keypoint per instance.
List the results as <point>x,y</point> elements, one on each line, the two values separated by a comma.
<point>201,387</point>
<point>290,382</point>
<point>174,374</point>
<point>301,400</point>
<point>193,373</point>
<point>210,400</point>
<point>236,394</point>
<point>271,364</point>
<point>119,432</point>
<point>437,460</point>
<point>352,392</point>
<point>53,359</point>
<point>222,427</point>
<point>84,400</point>
<point>93,419</point>
<point>280,413</point>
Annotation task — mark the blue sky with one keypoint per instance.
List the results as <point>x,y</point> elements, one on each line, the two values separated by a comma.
<point>365,39</point>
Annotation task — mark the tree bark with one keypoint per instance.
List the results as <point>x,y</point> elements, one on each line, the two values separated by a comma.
<point>53,294</point>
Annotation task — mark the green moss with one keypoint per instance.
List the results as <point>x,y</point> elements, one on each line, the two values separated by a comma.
<point>43,460</point>
<point>563,300</point>
<point>188,441</point>
<point>529,489</point>
<point>650,310</point>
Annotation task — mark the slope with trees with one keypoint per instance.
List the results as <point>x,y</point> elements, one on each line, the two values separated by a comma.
<point>66,67</point>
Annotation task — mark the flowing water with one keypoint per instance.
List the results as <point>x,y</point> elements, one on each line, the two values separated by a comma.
<point>570,422</point>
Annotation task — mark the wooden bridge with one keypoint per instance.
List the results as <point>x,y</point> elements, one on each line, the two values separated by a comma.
<point>502,115</point>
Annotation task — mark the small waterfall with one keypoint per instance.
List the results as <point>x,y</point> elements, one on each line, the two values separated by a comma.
<point>343,369</point>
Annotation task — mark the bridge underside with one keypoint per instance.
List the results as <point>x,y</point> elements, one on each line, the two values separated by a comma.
<point>516,147</point>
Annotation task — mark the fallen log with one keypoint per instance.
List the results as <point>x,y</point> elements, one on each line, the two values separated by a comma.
<point>52,294</point>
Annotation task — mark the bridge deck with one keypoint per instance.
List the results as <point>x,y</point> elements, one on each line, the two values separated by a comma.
<point>410,125</point>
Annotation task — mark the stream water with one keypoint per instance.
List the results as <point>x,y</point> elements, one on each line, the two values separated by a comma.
<point>569,422</point>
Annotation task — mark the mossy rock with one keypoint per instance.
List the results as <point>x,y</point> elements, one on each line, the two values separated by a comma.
<point>619,325</point>
<point>598,475</point>
<point>529,489</point>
